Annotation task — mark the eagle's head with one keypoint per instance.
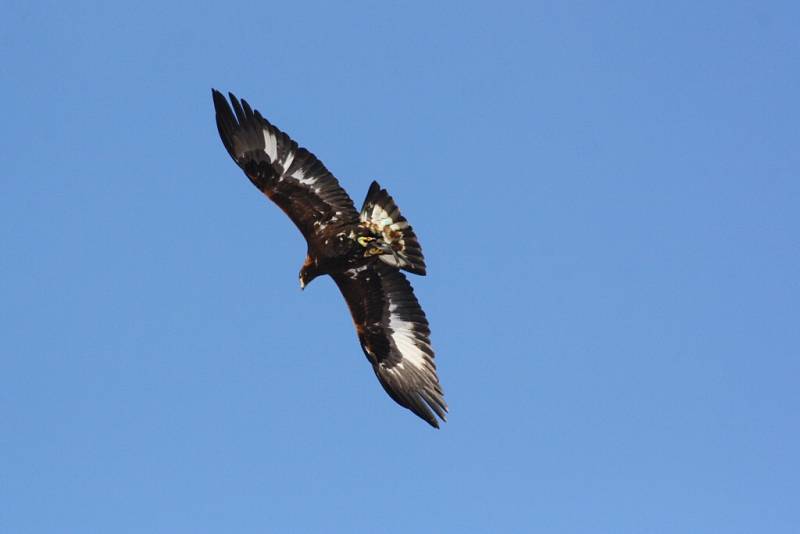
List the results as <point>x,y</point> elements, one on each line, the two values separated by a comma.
<point>308,272</point>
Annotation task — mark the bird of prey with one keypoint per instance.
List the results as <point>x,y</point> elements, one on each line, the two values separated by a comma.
<point>363,252</point>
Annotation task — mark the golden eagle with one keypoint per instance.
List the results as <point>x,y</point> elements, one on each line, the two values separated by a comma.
<point>363,252</point>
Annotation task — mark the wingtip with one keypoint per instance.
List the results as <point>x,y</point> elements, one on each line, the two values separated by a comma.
<point>219,100</point>
<point>433,421</point>
<point>430,407</point>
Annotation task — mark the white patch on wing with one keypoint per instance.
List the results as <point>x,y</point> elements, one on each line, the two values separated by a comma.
<point>287,161</point>
<point>270,145</point>
<point>353,273</point>
<point>300,176</point>
<point>405,339</point>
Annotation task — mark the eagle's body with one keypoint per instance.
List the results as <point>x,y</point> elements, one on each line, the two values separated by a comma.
<point>362,251</point>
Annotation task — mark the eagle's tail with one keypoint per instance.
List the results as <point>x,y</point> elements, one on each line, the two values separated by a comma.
<point>382,216</point>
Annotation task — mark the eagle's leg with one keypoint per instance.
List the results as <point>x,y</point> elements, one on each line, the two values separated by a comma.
<point>380,249</point>
<point>376,247</point>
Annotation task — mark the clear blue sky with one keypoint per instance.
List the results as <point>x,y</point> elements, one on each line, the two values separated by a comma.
<point>607,195</point>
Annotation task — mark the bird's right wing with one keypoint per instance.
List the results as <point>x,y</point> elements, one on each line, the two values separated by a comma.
<point>395,337</point>
<point>289,175</point>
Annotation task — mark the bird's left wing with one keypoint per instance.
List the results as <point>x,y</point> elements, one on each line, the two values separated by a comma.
<point>395,337</point>
<point>290,175</point>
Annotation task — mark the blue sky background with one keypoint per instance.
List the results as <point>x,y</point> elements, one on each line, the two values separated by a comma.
<point>607,196</point>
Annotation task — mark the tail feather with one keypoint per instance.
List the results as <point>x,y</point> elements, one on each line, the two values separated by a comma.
<point>382,216</point>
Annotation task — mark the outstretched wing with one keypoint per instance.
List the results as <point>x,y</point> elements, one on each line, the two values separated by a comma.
<point>289,175</point>
<point>395,337</point>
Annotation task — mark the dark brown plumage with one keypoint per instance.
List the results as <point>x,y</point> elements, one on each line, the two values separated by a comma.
<point>362,251</point>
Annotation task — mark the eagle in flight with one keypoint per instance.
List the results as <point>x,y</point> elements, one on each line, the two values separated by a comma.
<point>363,252</point>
